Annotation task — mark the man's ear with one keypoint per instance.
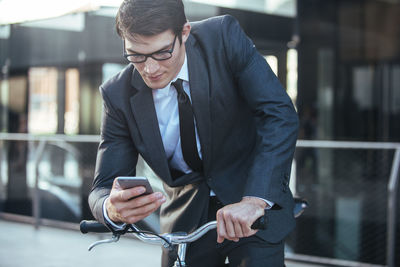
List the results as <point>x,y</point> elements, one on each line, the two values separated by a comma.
<point>186,31</point>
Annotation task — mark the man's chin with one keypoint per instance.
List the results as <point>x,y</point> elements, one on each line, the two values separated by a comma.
<point>156,84</point>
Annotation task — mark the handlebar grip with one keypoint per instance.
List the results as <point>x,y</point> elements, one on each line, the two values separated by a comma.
<point>92,227</point>
<point>260,223</point>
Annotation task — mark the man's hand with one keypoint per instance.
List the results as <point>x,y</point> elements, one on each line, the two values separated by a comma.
<point>234,221</point>
<point>122,208</point>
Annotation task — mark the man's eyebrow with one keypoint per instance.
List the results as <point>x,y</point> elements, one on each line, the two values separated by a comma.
<point>134,52</point>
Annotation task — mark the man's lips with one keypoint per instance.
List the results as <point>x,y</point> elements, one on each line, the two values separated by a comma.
<point>155,77</point>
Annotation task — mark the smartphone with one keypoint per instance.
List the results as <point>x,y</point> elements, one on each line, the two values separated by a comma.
<point>132,181</point>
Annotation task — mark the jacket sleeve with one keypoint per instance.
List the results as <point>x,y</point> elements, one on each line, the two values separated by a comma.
<point>275,117</point>
<point>116,156</point>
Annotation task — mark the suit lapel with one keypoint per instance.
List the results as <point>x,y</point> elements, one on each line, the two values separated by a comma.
<point>200,93</point>
<point>143,109</point>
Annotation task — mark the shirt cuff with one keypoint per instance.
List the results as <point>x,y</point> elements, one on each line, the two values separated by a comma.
<point>115,226</point>
<point>269,203</point>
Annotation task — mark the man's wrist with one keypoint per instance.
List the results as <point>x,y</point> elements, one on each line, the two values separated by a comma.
<point>265,203</point>
<point>115,226</point>
<point>255,200</point>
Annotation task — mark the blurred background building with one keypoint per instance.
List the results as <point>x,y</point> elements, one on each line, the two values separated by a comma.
<point>338,59</point>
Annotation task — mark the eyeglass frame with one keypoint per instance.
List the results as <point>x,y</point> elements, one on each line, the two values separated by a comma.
<point>170,51</point>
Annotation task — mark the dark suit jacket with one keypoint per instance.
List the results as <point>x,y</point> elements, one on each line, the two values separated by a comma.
<point>246,123</point>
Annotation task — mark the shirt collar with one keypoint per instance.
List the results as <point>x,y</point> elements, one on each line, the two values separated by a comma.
<point>184,72</point>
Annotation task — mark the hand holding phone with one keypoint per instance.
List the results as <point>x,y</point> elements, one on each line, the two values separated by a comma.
<point>129,205</point>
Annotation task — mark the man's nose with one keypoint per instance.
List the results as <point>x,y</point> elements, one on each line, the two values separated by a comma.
<point>151,66</point>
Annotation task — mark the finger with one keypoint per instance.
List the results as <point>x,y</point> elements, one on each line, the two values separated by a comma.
<point>122,196</point>
<point>238,229</point>
<point>134,215</point>
<point>250,232</point>
<point>124,207</point>
<point>116,198</point>
<point>146,199</point>
<point>220,227</point>
<point>148,207</point>
<point>247,231</point>
<point>116,185</point>
<point>135,219</point>
<point>230,228</point>
<point>246,227</point>
<point>131,215</point>
<point>127,213</point>
<point>133,192</point>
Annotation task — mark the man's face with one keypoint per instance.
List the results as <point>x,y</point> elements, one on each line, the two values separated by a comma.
<point>158,74</point>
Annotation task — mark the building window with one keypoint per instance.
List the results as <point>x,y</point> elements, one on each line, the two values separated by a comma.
<point>42,114</point>
<point>71,115</point>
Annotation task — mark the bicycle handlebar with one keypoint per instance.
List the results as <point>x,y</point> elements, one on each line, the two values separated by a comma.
<point>88,226</point>
<point>168,238</point>
<point>92,227</point>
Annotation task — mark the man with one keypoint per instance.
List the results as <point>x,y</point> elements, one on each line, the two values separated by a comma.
<point>205,111</point>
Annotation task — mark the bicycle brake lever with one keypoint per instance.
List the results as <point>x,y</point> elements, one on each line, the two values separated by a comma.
<point>114,238</point>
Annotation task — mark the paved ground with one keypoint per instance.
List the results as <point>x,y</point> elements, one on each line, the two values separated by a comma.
<point>21,245</point>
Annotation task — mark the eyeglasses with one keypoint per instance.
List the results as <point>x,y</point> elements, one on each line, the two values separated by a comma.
<point>158,55</point>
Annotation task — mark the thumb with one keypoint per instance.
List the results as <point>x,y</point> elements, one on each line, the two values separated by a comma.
<point>116,185</point>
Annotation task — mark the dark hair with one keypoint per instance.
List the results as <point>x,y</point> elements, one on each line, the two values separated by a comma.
<point>150,17</point>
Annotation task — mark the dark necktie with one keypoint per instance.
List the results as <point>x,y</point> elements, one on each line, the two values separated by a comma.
<point>187,130</point>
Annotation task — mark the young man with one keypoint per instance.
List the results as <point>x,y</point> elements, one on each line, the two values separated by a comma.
<point>205,111</point>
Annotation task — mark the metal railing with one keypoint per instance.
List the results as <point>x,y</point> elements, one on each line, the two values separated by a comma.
<point>39,143</point>
<point>38,150</point>
<point>392,187</point>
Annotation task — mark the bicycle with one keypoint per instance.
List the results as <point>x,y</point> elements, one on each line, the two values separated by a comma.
<point>170,240</point>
